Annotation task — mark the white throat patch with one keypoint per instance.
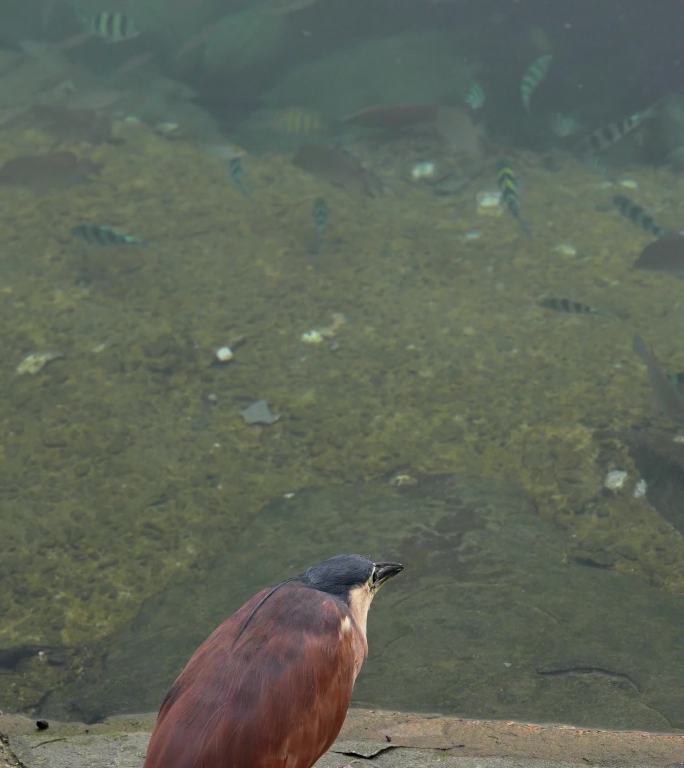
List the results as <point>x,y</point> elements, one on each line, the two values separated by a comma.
<point>359,602</point>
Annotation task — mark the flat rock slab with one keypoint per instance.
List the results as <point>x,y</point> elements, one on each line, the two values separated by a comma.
<point>369,738</point>
<point>490,619</point>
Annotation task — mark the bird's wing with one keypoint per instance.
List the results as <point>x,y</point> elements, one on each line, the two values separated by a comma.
<point>268,689</point>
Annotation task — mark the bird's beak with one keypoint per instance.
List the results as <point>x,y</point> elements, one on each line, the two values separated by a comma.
<point>385,571</point>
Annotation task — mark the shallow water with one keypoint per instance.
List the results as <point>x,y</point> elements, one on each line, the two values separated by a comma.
<point>488,619</point>
<point>431,408</point>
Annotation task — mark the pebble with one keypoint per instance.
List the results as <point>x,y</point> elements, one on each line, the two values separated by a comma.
<point>223,355</point>
<point>565,249</point>
<point>317,335</point>
<point>259,413</point>
<point>489,203</point>
<point>640,489</point>
<point>629,184</point>
<point>423,170</point>
<point>615,479</point>
<point>314,336</point>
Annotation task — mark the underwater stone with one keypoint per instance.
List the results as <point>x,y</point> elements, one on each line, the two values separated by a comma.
<point>615,479</point>
<point>259,413</point>
<point>489,203</point>
<point>223,355</point>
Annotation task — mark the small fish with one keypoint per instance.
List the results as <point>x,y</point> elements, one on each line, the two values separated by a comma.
<point>665,255</point>
<point>570,307</point>
<point>508,187</point>
<point>112,26</point>
<point>95,234</point>
<point>533,76</point>
<point>676,379</point>
<point>637,215</point>
<point>284,7</point>
<point>669,399</point>
<point>320,214</point>
<point>476,97</point>
<point>236,173</point>
<point>563,126</point>
<point>337,167</point>
<point>608,135</point>
<point>298,122</point>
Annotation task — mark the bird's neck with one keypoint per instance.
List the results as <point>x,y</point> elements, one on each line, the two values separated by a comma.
<point>359,600</point>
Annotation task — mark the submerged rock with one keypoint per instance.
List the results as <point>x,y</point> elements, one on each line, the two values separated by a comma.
<point>259,413</point>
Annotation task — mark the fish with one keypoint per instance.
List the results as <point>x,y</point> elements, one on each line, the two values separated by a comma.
<point>608,135</point>
<point>236,173</point>
<point>112,26</point>
<point>676,379</point>
<point>47,172</point>
<point>285,7</point>
<point>320,214</point>
<point>97,234</point>
<point>570,307</point>
<point>666,254</point>
<point>72,125</point>
<point>533,76</point>
<point>389,117</point>
<point>299,121</point>
<point>637,215</point>
<point>337,167</point>
<point>669,399</point>
<point>476,97</point>
<point>508,187</point>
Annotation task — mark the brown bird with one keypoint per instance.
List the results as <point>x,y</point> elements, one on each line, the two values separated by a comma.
<point>270,687</point>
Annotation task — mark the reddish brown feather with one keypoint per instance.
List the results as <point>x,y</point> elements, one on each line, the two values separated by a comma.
<point>263,692</point>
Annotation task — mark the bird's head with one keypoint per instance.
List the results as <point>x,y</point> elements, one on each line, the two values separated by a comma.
<point>353,579</point>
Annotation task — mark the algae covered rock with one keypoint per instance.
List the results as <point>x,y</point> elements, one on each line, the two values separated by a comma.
<point>423,67</point>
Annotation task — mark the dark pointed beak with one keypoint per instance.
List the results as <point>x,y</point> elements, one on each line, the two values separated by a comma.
<point>385,571</point>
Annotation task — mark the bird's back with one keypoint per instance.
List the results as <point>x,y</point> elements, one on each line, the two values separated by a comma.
<point>269,687</point>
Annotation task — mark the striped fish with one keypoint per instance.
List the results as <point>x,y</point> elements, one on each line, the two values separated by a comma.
<point>476,97</point>
<point>570,307</point>
<point>95,234</point>
<point>669,398</point>
<point>608,135</point>
<point>320,214</point>
<point>508,187</point>
<point>299,121</point>
<point>237,175</point>
<point>533,76</point>
<point>676,379</point>
<point>637,215</point>
<point>112,26</point>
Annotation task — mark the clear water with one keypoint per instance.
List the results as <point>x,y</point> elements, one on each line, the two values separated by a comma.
<point>317,186</point>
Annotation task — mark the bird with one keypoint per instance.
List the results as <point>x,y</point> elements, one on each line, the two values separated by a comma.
<point>270,687</point>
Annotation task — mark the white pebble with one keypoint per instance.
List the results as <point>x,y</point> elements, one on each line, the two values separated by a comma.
<point>424,170</point>
<point>223,354</point>
<point>640,489</point>
<point>489,202</point>
<point>565,249</point>
<point>313,336</point>
<point>629,184</point>
<point>615,479</point>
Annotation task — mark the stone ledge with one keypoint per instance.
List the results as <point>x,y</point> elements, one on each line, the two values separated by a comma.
<point>369,738</point>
